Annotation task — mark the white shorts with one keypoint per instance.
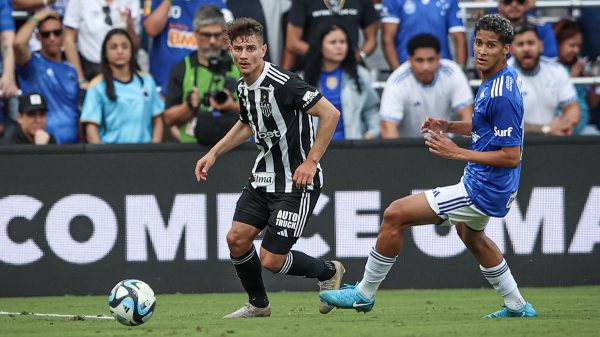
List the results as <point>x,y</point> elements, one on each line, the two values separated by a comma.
<point>453,204</point>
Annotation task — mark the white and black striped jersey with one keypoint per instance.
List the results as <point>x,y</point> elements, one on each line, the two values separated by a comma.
<point>275,107</point>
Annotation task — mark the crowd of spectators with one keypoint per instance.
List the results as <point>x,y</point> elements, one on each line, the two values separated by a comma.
<point>141,71</point>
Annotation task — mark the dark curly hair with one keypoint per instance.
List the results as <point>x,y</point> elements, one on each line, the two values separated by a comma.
<point>245,27</point>
<point>497,24</point>
<point>314,60</point>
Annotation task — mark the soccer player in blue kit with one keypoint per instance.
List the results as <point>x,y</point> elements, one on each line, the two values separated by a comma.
<point>487,188</point>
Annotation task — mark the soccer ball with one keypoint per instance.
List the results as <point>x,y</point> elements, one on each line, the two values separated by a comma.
<point>131,302</point>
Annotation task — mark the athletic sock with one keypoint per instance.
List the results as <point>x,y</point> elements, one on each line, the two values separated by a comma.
<point>376,270</point>
<point>502,280</point>
<point>299,264</point>
<point>249,271</point>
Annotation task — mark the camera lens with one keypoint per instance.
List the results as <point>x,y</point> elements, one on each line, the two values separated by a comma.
<point>220,97</point>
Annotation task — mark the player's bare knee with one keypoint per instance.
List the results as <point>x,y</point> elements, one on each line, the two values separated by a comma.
<point>271,262</point>
<point>236,240</point>
<point>393,218</point>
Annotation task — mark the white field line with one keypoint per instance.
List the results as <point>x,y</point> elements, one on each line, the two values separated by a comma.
<point>56,315</point>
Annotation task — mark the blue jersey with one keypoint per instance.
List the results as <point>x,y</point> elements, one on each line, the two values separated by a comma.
<point>57,82</point>
<point>330,84</point>
<point>176,40</point>
<point>497,122</point>
<point>6,19</point>
<point>128,119</point>
<point>437,18</point>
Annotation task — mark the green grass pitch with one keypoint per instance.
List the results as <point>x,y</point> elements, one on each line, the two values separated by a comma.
<point>570,312</point>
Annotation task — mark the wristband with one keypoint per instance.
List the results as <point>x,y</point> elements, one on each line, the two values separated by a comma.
<point>34,20</point>
<point>363,55</point>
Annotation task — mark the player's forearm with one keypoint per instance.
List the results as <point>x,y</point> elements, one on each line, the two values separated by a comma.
<point>238,134</point>
<point>460,127</point>
<point>505,157</point>
<point>328,119</point>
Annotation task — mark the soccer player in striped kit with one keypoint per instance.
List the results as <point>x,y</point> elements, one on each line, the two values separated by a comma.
<point>277,108</point>
<point>487,188</point>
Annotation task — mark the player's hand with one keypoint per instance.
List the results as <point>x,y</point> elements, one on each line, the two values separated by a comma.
<point>203,165</point>
<point>434,124</point>
<point>441,145</point>
<point>304,174</point>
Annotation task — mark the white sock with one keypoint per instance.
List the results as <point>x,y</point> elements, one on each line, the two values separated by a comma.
<point>376,270</point>
<point>502,280</point>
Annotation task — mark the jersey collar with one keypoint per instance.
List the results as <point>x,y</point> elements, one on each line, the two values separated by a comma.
<point>260,78</point>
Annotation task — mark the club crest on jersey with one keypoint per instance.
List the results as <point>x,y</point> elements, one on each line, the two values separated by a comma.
<point>265,106</point>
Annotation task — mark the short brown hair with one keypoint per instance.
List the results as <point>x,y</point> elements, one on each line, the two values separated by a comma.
<point>244,27</point>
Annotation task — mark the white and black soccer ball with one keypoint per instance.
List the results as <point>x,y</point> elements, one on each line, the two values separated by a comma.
<point>132,302</point>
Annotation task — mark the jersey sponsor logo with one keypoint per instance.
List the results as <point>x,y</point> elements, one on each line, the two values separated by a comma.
<point>502,133</point>
<point>181,39</point>
<point>287,219</point>
<point>342,12</point>
<point>308,97</point>
<point>263,179</point>
<point>268,134</point>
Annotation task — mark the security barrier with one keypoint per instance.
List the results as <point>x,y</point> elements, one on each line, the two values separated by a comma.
<point>76,219</point>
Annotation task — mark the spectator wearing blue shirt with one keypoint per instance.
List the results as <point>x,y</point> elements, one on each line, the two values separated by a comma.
<point>122,106</point>
<point>516,11</point>
<point>403,19</point>
<point>170,24</point>
<point>47,73</point>
<point>347,85</point>
<point>8,85</point>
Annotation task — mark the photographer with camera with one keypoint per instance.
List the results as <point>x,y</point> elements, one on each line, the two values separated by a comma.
<point>201,96</point>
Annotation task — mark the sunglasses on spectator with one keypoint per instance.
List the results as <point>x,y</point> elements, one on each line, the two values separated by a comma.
<point>107,18</point>
<point>56,32</point>
<point>508,2</point>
